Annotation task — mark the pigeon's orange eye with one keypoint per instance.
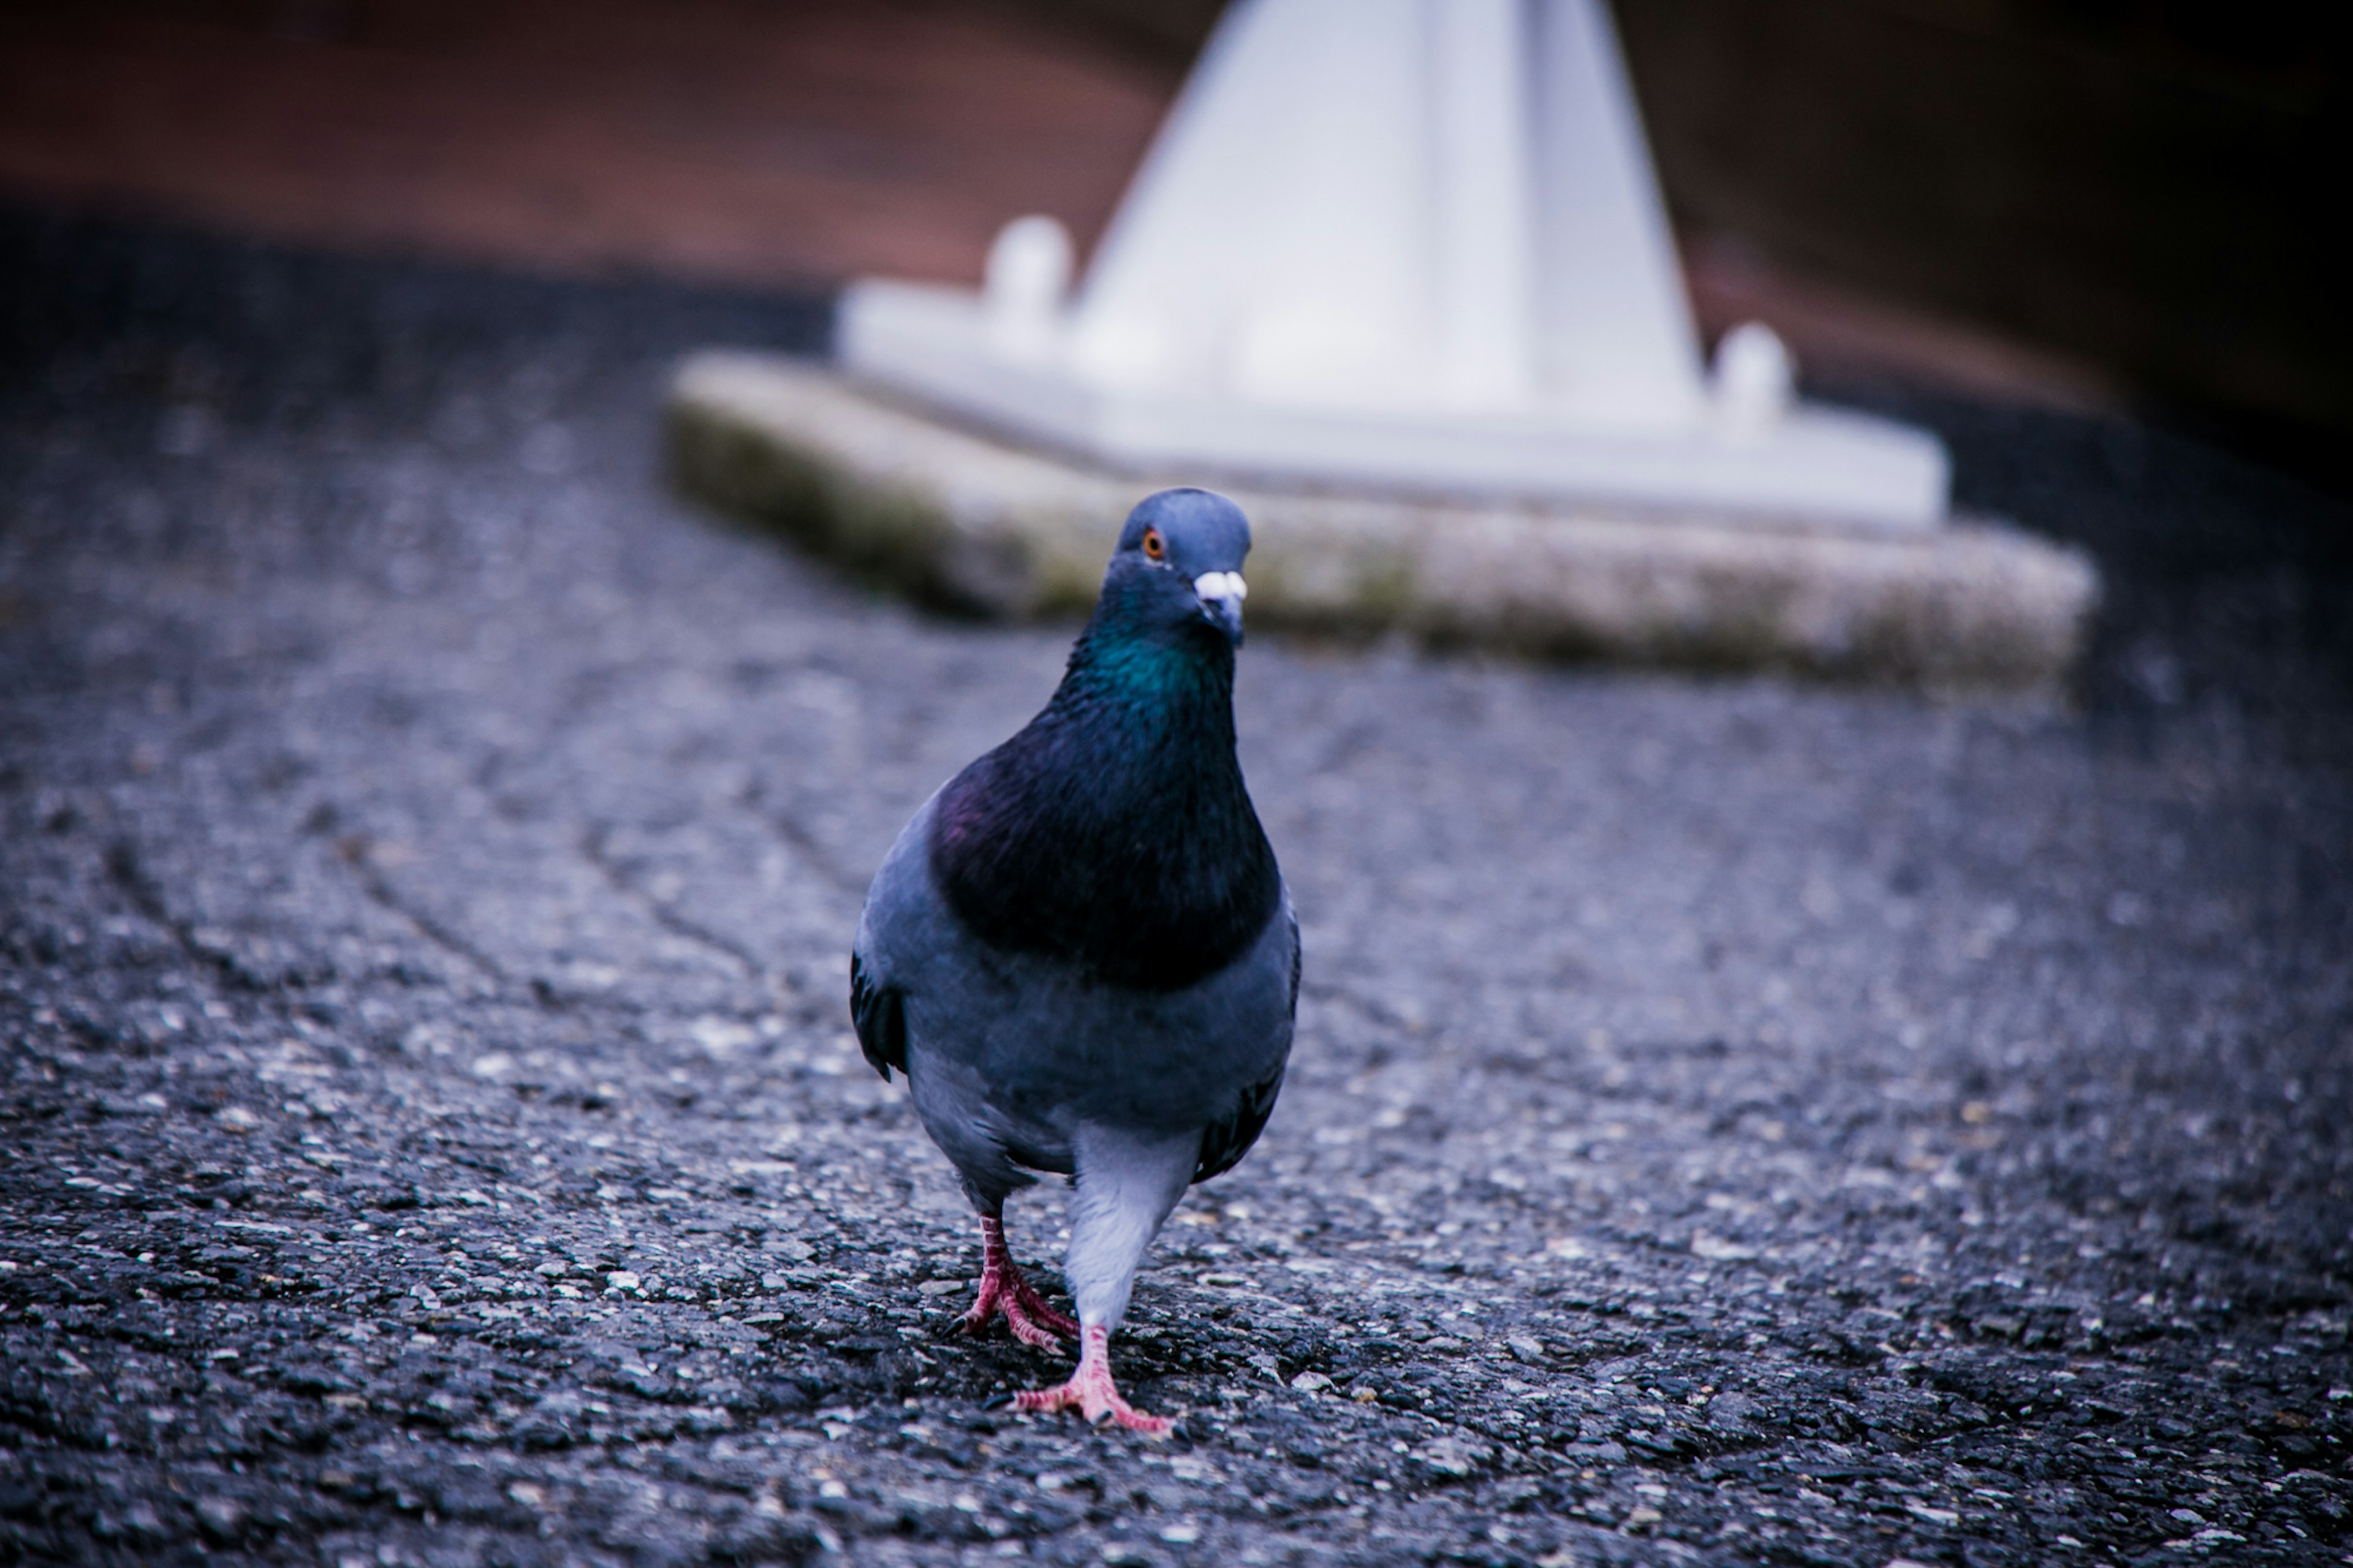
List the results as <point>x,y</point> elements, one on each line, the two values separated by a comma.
<point>1154,546</point>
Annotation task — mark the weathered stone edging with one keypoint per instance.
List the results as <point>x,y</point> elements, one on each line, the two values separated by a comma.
<point>961,519</point>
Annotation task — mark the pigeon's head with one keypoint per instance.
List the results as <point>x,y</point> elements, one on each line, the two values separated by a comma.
<point>1180,562</point>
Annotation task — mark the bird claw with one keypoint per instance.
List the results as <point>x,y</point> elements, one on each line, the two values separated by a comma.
<point>1034,1308</point>
<point>1033,1323</point>
<point>1003,1289</point>
<point>1091,1393</point>
<point>1096,1399</point>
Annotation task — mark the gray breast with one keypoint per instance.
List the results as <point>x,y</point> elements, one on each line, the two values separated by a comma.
<point>1041,1047</point>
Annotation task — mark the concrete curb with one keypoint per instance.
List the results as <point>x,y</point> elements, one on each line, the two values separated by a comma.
<point>963,520</point>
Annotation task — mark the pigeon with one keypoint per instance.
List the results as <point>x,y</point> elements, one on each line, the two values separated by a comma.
<point>1081,952</point>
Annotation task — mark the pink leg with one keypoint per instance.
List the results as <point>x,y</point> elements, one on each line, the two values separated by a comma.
<point>1091,1393</point>
<point>1002,1290</point>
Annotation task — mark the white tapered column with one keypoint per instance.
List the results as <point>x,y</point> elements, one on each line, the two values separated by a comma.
<point>1619,347</point>
<point>1272,245</point>
<point>1482,196</point>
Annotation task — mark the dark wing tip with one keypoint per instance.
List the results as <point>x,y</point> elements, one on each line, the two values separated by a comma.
<point>1224,1143</point>
<point>879,1013</point>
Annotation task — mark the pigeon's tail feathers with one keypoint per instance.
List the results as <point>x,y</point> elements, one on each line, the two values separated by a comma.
<point>1223,1144</point>
<point>879,1016</point>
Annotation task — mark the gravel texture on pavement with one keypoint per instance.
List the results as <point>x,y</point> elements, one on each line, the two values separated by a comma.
<point>1732,1120</point>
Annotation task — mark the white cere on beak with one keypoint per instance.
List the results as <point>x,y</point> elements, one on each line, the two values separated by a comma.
<point>1221,585</point>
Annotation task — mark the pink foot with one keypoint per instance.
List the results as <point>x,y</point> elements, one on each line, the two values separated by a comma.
<point>1002,1290</point>
<point>1091,1393</point>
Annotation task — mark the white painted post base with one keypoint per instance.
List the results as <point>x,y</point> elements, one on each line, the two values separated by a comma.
<point>1395,243</point>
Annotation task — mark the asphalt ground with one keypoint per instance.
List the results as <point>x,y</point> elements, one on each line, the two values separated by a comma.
<point>1732,1120</point>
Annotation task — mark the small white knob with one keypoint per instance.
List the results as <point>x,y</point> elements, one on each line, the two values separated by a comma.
<point>1028,277</point>
<point>1755,380</point>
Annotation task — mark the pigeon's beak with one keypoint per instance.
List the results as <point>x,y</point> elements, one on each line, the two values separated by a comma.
<point>1221,594</point>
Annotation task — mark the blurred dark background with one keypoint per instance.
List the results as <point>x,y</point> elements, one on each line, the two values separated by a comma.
<point>2091,205</point>
<point>2139,185</point>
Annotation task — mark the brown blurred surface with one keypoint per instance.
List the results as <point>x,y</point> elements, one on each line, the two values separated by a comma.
<point>731,141</point>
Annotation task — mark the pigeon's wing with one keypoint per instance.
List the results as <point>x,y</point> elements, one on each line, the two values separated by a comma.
<point>899,906</point>
<point>1295,956</point>
<point>880,1013</point>
<point>1223,1144</point>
